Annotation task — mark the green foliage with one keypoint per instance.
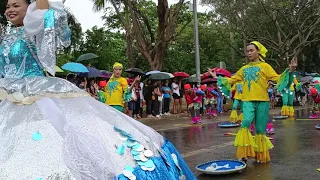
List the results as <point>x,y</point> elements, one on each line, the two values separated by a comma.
<point>213,48</point>
<point>3,19</point>
<point>109,46</point>
<point>285,27</point>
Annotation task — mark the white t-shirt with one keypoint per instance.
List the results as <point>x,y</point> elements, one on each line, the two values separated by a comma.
<point>175,88</point>
<point>141,91</point>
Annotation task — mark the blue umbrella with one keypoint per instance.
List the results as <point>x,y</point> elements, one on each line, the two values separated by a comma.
<point>75,67</point>
<point>93,72</point>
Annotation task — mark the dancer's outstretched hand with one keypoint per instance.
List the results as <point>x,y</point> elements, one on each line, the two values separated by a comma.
<point>293,64</point>
<point>212,73</point>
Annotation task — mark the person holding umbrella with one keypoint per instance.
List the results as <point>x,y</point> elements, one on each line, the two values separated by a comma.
<point>117,89</point>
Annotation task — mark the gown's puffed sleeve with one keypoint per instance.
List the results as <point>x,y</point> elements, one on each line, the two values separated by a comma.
<point>49,29</point>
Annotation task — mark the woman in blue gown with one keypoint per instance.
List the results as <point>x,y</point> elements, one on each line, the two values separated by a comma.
<point>50,129</point>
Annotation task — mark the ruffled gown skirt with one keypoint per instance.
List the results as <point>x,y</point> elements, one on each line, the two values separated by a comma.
<point>50,129</point>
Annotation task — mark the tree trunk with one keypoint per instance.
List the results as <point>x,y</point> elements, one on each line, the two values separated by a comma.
<point>129,50</point>
<point>233,53</point>
<point>245,48</point>
<point>244,37</point>
<point>159,57</point>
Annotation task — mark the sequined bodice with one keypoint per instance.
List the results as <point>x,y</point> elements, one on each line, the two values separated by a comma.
<point>16,58</point>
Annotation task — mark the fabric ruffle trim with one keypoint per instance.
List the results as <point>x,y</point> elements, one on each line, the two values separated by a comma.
<point>19,99</point>
<point>291,111</point>
<point>262,149</point>
<point>285,80</point>
<point>249,146</point>
<point>285,111</point>
<point>245,144</point>
<point>298,87</point>
<point>233,116</point>
<point>240,117</point>
<point>225,85</point>
<point>317,86</point>
<point>127,95</point>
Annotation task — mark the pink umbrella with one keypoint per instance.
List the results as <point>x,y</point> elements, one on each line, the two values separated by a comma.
<point>181,74</point>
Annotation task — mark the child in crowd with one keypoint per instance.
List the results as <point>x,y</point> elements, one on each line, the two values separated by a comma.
<point>198,103</point>
<point>210,101</point>
<point>101,95</point>
<point>316,100</point>
<point>194,99</point>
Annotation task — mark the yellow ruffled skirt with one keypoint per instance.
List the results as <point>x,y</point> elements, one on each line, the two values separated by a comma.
<point>248,146</point>
<point>245,144</point>
<point>263,144</point>
<point>285,111</point>
<point>291,111</point>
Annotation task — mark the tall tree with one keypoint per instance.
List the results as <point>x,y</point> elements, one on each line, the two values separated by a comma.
<point>3,19</point>
<point>109,46</point>
<point>122,13</point>
<point>284,26</point>
<point>151,41</point>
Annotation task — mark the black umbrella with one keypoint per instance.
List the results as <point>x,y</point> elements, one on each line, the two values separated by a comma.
<point>159,76</point>
<point>87,56</point>
<point>135,71</point>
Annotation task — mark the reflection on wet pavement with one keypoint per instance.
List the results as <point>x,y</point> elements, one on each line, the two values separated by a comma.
<point>296,154</point>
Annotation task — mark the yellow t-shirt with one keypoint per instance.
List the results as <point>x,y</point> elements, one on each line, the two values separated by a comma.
<point>114,91</point>
<point>238,90</point>
<point>255,77</point>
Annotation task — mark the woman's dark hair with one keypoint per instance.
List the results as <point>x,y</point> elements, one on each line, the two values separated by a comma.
<point>27,1</point>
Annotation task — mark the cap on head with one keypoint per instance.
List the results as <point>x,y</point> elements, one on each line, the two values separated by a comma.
<point>313,91</point>
<point>102,83</point>
<point>203,87</point>
<point>187,86</point>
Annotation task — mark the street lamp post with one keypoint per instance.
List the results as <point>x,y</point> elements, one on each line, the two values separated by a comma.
<point>196,41</point>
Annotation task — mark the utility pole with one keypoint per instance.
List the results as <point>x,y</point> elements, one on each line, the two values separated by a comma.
<point>196,40</point>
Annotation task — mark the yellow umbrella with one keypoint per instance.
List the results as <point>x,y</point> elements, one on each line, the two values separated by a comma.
<point>57,69</point>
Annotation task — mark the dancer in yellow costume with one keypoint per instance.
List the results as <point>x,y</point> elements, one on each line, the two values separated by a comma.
<point>288,97</point>
<point>117,90</point>
<point>255,76</point>
<point>237,101</point>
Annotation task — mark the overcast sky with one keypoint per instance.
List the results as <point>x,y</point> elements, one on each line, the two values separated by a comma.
<point>85,15</point>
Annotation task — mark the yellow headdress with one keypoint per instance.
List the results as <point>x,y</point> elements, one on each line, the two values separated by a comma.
<point>116,64</point>
<point>263,50</point>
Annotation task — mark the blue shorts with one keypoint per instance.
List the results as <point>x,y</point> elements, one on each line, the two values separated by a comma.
<point>132,105</point>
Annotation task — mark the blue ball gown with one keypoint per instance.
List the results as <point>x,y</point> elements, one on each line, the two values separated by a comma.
<point>50,129</point>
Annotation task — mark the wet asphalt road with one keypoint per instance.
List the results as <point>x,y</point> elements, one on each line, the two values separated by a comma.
<point>296,154</point>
